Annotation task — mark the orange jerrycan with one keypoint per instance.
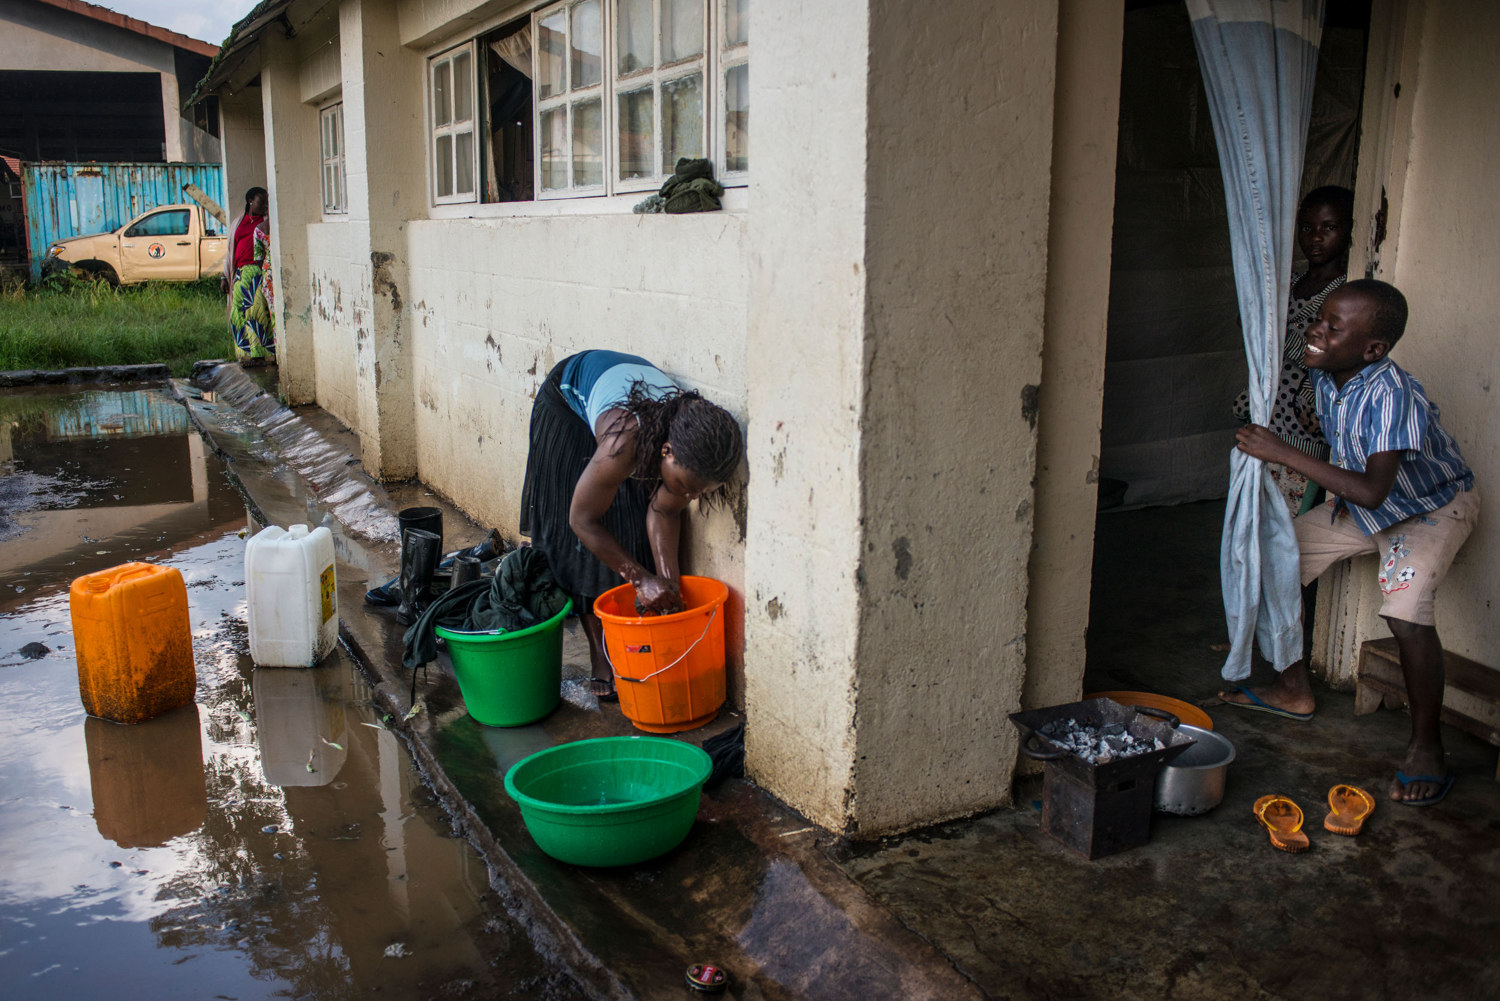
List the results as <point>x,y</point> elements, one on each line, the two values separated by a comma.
<point>134,643</point>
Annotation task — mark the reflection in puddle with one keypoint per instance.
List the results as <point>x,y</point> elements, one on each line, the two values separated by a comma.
<point>147,779</point>
<point>299,728</point>
<point>271,840</point>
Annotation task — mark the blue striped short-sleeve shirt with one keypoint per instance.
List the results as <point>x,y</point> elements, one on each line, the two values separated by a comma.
<point>1384,409</point>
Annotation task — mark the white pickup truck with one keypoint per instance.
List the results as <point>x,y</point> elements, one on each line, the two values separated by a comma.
<point>173,243</point>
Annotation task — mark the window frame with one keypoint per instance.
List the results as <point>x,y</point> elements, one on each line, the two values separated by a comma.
<point>336,161</point>
<point>728,57</point>
<point>658,76</point>
<point>568,99</point>
<point>454,127</point>
<point>714,62</point>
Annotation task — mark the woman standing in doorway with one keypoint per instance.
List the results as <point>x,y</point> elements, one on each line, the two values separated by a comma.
<point>617,451</point>
<point>1325,222</point>
<point>247,282</point>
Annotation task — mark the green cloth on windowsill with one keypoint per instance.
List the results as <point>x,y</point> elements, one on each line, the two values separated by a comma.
<point>691,188</point>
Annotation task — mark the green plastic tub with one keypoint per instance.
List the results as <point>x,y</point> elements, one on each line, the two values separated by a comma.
<point>509,679</point>
<point>611,801</point>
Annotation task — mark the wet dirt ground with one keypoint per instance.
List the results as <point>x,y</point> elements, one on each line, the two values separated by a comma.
<point>271,840</point>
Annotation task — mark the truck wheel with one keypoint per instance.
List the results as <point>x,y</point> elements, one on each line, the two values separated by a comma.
<point>98,270</point>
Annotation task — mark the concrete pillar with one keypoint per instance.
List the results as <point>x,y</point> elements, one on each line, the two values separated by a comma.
<point>171,117</point>
<point>1085,123</point>
<point>293,155</point>
<point>896,316</point>
<point>805,379</point>
<point>387,184</point>
<point>243,141</point>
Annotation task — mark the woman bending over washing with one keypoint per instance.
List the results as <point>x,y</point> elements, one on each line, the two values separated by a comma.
<point>617,451</point>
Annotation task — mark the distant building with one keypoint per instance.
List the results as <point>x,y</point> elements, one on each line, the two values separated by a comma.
<point>82,82</point>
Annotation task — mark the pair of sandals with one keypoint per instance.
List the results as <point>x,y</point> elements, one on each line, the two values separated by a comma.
<point>1348,808</point>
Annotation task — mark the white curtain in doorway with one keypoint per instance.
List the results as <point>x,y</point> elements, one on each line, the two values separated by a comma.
<point>1259,59</point>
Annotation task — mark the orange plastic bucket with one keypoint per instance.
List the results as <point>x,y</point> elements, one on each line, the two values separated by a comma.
<point>669,669</point>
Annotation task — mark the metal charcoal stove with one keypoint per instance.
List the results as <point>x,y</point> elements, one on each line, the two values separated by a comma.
<point>1101,807</point>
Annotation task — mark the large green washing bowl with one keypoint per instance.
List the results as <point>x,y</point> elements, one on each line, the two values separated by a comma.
<point>611,801</point>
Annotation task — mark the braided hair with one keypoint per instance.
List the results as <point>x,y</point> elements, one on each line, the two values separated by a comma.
<point>705,438</point>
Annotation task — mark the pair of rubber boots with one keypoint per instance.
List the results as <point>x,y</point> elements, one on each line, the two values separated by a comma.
<point>421,549</point>
<point>421,560</point>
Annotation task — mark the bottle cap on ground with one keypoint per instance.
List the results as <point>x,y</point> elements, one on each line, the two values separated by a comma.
<point>706,978</point>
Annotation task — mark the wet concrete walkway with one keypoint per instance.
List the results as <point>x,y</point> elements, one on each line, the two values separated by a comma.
<point>982,908</point>
<point>990,907</point>
<point>271,840</point>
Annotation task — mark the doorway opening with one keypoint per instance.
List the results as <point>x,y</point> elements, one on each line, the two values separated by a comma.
<point>1175,356</point>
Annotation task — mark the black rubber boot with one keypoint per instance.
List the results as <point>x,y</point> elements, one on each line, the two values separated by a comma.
<point>428,519</point>
<point>419,558</point>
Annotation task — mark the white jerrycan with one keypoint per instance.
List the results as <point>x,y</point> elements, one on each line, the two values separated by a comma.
<point>292,595</point>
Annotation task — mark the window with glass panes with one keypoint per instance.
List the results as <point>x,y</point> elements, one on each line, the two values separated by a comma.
<point>625,88</point>
<point>331,121</point>
<point>620,90</point>
<point>454,163</point>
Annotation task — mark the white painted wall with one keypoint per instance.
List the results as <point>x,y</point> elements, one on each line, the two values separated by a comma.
<point>333,277</point>
<point>496,302</point>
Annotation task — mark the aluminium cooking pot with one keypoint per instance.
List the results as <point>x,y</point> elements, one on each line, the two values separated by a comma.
<point>1193,782</point>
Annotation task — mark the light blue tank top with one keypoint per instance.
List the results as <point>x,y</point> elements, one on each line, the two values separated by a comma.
<point>596,381</point>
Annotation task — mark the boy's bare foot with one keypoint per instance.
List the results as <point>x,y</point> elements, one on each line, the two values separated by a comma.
<point>1425,773</point>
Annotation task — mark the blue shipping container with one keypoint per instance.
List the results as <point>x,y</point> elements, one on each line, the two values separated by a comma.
<point>79,199</point>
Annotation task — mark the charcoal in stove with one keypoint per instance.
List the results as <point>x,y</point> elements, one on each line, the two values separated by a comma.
<point>1104,806</point>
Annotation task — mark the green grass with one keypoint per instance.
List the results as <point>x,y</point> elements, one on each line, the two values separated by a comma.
<point>64,323</point>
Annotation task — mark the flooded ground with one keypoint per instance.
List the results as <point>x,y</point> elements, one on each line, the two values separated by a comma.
<point>271,840</point>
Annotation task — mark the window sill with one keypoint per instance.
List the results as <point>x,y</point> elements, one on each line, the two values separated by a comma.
<point>734,200</point>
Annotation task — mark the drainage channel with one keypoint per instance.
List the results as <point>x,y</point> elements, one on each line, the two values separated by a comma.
<point>270,840</point>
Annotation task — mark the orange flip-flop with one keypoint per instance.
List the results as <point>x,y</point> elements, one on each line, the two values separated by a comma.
<point>1348,807</point>
<point>1283,821</point>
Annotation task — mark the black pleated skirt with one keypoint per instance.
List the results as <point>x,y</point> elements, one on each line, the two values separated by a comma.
<point>561,445</point>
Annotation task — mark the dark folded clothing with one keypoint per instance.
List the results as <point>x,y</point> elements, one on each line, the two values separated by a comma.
<point>522,593</point>
<point>691,188</point>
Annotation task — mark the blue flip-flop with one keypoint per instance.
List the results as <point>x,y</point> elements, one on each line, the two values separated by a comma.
<point>1444,784</point>
<point>1261,706</point>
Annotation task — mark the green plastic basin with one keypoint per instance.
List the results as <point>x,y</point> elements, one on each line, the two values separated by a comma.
<point>610,801</point>
<point>509,679</point>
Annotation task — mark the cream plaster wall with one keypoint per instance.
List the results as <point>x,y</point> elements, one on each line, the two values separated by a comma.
<point>806,361</point>
<point>1085,124</point>
<point>496,302</point>
<point>957,266</point>
<point>1442,256</point>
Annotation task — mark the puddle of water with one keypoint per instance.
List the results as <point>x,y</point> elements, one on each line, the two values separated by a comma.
<point>270,840</point>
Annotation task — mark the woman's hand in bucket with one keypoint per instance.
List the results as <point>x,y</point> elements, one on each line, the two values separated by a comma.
<point>657,596</point>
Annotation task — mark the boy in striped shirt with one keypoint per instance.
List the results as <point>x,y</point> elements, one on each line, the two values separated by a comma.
<point>1400,490</point>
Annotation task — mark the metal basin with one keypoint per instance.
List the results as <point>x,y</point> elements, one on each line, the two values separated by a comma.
<point>1193,782</point>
